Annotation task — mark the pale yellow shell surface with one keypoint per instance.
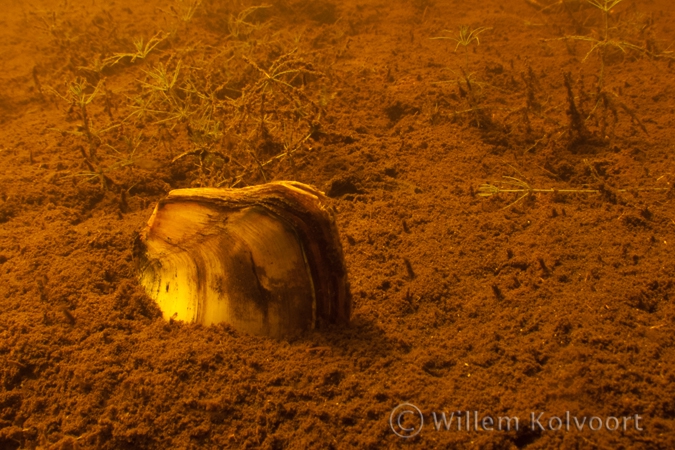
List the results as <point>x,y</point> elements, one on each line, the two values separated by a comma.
<point>249,270</point>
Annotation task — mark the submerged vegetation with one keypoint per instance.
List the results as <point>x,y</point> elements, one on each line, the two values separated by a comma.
<point>224,115</point>
<point>252,103</point>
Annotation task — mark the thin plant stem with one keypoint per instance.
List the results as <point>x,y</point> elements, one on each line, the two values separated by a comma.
<point>521,187</point>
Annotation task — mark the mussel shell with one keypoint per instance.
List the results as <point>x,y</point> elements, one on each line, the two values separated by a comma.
<point>265,259</point>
